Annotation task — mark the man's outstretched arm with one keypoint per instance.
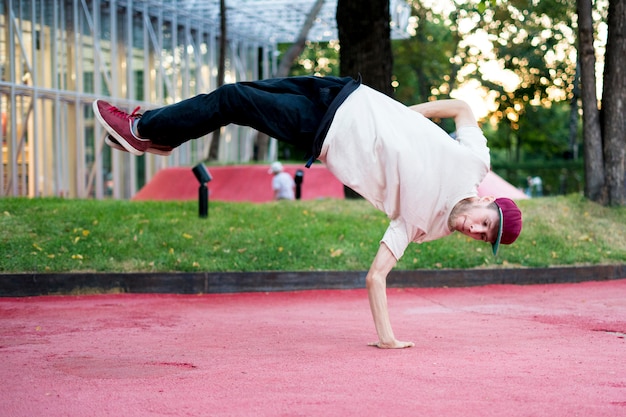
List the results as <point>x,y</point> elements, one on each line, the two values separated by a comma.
<point>458,110</point>
<point>376,283</point>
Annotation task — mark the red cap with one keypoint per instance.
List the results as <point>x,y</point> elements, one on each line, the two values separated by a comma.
<point>510,223</point>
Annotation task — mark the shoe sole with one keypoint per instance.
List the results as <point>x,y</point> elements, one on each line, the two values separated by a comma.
<point>152,149</point>
<point>121,141</point>
<point>114,144</point>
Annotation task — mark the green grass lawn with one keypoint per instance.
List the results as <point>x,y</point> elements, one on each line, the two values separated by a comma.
<point>61,235</point>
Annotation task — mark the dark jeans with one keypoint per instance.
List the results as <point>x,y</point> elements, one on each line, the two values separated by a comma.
<point>292,110</point>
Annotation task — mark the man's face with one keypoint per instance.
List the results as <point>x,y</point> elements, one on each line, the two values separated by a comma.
<point>479,221</point>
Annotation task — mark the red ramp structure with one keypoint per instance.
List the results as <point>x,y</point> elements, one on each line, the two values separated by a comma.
<point>252,183</point>
<point>495,185</point>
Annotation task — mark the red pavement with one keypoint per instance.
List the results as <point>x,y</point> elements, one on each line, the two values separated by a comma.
<point>502,350</point>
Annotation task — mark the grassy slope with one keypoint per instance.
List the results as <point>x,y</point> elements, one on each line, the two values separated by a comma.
<point>58,235</point>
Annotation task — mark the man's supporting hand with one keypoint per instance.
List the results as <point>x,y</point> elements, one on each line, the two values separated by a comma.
<point>396,344</point>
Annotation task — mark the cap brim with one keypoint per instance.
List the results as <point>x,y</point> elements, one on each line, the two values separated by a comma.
<point>496,245</point>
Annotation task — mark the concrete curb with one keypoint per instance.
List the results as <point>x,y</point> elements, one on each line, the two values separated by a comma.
<point>35,284</point>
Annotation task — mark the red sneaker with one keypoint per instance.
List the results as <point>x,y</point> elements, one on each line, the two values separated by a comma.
<point>119,124</point>
<point>163,150</point>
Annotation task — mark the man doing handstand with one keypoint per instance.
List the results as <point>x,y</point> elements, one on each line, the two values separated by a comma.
<point>392,155</point>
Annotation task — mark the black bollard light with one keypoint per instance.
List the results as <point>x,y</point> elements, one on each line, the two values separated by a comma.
<point>298,178</point>
<point>203,177</point>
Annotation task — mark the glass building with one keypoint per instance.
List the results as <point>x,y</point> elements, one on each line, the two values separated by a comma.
<point>57,56</point>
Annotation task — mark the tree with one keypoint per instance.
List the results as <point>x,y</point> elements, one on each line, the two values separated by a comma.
<point>297,47</point>
<point>592,142</point>
<point>614,104</point>
<point>317,58</point>
<point>604,129</point>
<point>529,41</point>
<point>427,64</point>
<point>365,46</point>
<point>533,41</point>
<point>221,69</point>
<point>365,42</point>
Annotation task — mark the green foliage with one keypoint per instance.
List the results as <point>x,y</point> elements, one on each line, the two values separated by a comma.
<point>424,63</point>
<point>542,133</point>
<point>536,42</point>
<point>56,235</point>
<point>532,42</point>
<point>558,176</point>
<point>317,58</point>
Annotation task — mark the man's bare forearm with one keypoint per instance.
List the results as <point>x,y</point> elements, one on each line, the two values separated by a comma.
<point>458,110</point>
<point>376,283</point>
<point>377,294</point>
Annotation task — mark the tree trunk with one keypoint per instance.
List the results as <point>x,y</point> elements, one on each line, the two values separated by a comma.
<point>573,115</point>
<point>365,42</point>
<point>262,140</point>
<point>592,134</point>
<point>614,104</point>
<point>365,46</point>
<point>221,69</point>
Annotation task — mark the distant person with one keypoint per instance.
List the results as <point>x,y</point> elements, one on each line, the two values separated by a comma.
<point>391,154</point>
<point>282,184</point>
<point>535,186</point>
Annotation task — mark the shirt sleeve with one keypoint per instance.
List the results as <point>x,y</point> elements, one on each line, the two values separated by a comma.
<point>398,236</point>
<point>473,138</point>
